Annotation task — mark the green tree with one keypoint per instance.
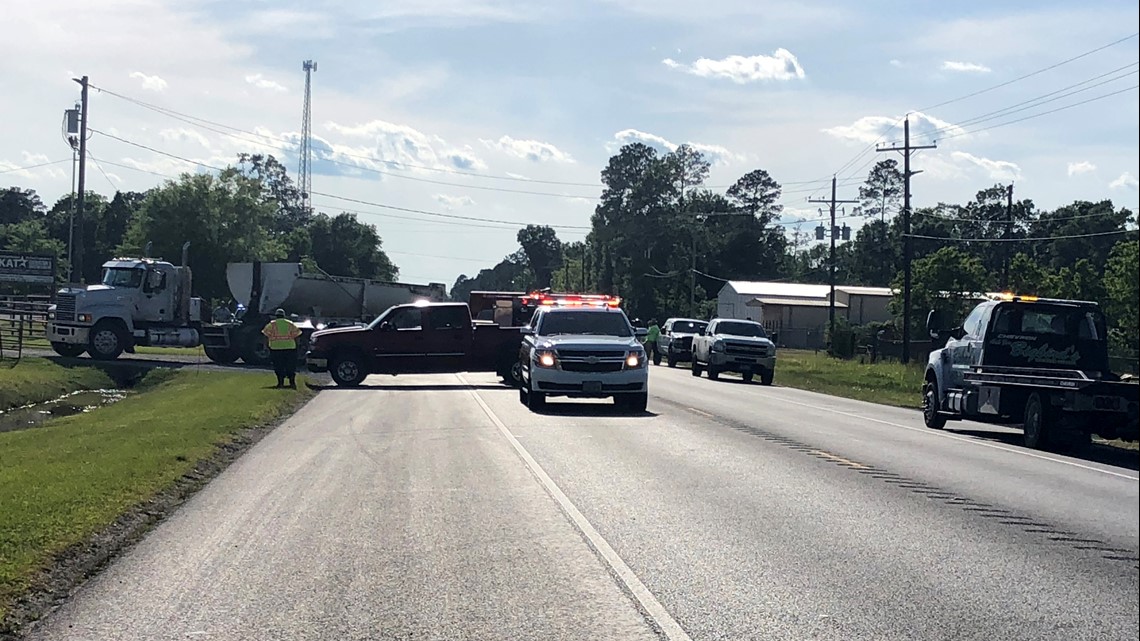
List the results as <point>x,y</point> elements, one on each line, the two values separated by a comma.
<point>881,193</point>
<point>18,205</point>
<point>510,274</point>
<point>543,251</point>
<point>344,246</point>
<point>948,279</point>
<point>1122,285</point>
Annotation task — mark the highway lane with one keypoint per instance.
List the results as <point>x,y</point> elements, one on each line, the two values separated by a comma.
<point>421,509</point>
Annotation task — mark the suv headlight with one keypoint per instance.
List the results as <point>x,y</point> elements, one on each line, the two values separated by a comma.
<point>545,358</point>
<point>635,360</point>
<point>718,346</point>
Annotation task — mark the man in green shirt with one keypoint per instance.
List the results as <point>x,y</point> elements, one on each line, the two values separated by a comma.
<point>651,338</point>
<point>282,335</point>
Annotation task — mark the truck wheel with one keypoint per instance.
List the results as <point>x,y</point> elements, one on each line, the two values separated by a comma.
<point>68,350</point>
<point>107,341</point>
<point>747,377</point>
<point>696,367</point>
<point>930,403</point>
<point>255,350</point>
<point>535,401</point>
<point>220,355</point>
<point>1038,424</point>
<point>766,377</point>
<point>714,373</point>
<point>348,370</point>
<point>672,362</point>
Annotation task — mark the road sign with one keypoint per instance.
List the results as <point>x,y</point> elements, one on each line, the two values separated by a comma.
<point>18,267</point>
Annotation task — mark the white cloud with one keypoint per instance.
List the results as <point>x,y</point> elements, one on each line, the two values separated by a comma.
<point>518,176</point>
<point>1126,181</point>
<point>150,83</point>
<point>532,150</point>
<point>1083,167</point>
<point>261,82</point>
<point>997,169</point>
<point>965,67</point>
<point>12,169</point>
<point>781,65</point>
<point>886,129</point>
<point>454,202</point>
<point>184,135</point>
<point>397,144</point>
<point>896,63</point>
<point>716,154</point>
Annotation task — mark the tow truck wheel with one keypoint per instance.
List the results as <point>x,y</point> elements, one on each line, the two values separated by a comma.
<point>348,370</point>
<point>1037,425</point>
<point>930,403</point>
<point>68,350</point>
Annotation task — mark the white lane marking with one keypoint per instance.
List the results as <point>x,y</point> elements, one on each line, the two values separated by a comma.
<point>702,413</point>
<point>964,439</point>
<point>649,603</point>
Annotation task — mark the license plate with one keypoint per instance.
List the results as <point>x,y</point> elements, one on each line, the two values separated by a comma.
<point>592,387</point>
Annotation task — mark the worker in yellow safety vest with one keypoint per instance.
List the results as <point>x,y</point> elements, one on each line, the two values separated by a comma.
<point>282,334</point>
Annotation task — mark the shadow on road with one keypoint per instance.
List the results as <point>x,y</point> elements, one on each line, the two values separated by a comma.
<point>1094,452</point>
<point>554,408</point>
<point>413,388</point>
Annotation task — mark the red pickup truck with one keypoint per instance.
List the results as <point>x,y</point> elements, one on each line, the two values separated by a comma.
<point>420,338</point>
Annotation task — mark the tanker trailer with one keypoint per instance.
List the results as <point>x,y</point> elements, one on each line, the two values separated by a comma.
<point>313,300</point>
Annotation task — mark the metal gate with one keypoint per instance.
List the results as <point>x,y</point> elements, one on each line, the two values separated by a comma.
<point>23,325</point>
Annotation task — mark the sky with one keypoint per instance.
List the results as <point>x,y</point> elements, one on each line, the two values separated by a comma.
<point>428,113</point>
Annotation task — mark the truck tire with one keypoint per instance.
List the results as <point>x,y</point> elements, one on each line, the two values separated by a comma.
<point>68,350</point>
<point>746,377</point>
<point>220,355</point>
<point>255,348</point>
<point>714,373</point>
<point>696,367</point>
<point>930,404</point>
<point>672,362</point>
<point>535,401</point>
<point>766,376</point>
<point>107,341</point>
<point>348,369</point>
<point>1038,426</point>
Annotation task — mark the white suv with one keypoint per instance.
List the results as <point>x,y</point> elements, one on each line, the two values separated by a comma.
<point>583,352</point>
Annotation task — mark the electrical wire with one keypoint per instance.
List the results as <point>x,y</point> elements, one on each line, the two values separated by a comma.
<point>100,168</point>
<point>1023,240</point>
<point>36,166</point>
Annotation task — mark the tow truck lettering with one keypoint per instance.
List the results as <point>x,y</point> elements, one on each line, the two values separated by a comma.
<point>1039,353</point>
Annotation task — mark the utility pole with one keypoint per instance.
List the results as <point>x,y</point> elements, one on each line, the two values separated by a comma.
<point>831,270</point>
<point>908,246</point>
<point>1007,233</point>
<point>304,173</point>
<point>71,137</point>
<point>78,251</point>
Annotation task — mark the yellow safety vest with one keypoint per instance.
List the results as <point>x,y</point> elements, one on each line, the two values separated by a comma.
<point>282,334</point>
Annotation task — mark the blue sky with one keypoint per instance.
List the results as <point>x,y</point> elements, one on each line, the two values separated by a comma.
<point>524,92</point>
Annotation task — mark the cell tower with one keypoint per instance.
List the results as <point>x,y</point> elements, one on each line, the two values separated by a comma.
<point>304,175</point>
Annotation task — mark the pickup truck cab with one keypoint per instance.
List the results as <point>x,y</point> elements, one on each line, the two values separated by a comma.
<point>1039,362</point>
<point>419,338</point>
<point>729,345</point>
<point>583,352</point>
<point>677,339</point>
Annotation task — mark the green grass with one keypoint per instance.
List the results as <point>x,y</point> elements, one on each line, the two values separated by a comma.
<point>172,351</point>
<point>34,380</point>
<point>62,483</point>
<point>887,383</point>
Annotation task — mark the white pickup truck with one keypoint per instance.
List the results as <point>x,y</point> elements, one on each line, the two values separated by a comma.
<point>729,345</point>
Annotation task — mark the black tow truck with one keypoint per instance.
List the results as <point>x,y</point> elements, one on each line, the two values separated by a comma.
<point>1041,363</point>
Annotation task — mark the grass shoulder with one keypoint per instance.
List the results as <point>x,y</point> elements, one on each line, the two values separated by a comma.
<point>886,383</point>
<point>70,480</point>
<point>35,380</point>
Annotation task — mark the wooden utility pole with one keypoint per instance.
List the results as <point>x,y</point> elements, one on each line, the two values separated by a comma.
<point>908,243</point>
<point>831,270</point>
<point>77,255</point>
<point>1006,235</point>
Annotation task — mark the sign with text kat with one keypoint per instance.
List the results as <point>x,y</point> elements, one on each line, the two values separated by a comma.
<point>16,267</point>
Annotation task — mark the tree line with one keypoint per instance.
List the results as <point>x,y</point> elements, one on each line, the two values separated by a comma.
<point>667,244</point>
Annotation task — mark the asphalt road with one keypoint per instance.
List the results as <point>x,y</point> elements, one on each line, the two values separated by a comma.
<point>425,507</point>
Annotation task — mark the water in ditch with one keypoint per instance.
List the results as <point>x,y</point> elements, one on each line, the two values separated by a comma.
<point>36,414</point>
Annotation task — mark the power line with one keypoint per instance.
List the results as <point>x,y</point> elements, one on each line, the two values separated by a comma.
<point>1039,219</point>
<point>355,200</point>
<point>1023,240</point>
<point>1031,74</point>
<point>36,166</point>
<point>100,168</point>
<point>1043,113</point>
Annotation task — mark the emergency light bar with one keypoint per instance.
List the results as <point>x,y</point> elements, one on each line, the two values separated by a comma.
<point>573,300</point>
<point>1023,298</point>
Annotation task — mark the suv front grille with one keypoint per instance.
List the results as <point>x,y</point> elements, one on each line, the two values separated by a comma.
<point>601,366</point>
